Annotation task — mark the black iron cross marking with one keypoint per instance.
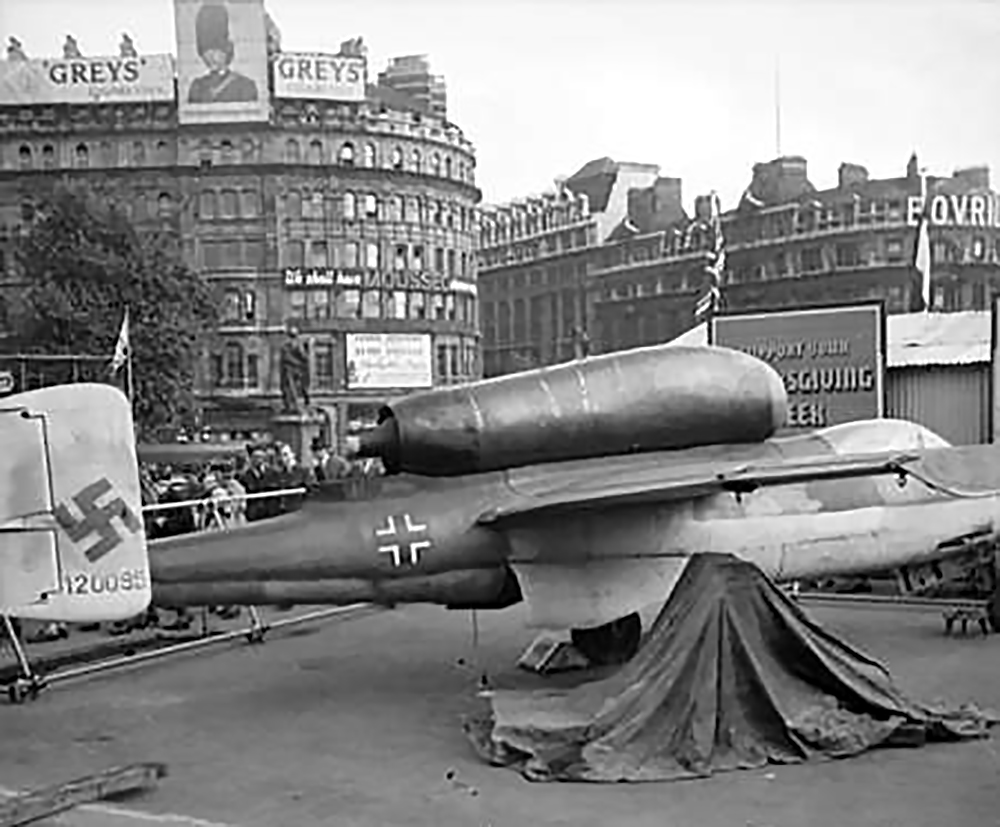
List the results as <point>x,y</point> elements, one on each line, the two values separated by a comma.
<point>395,547</point>
<point>97,519</point>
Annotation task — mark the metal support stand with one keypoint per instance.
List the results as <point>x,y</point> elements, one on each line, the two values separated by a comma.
<point>29,684</point>
<point>32,684</point>
<point>257,630</point>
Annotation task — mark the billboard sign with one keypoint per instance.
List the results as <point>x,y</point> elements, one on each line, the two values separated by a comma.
<point>389,360</point>
<point>87,80</point>
<point>326,77</point>
<point>832,360</point>
<point>305,278</point>
<point>221,61</point>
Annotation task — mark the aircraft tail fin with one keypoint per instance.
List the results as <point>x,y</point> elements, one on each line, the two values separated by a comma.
<point>72,543</point>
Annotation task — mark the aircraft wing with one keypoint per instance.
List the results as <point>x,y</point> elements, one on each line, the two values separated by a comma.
<point>645,482</point>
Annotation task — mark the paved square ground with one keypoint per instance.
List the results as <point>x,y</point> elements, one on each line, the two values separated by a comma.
<point>357,722</point>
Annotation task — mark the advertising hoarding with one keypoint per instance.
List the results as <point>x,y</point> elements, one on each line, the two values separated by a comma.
<point>310,278</point>
<point>221,61</point>
<point>832,360</point>
<point>325,77</point>
<point>389,360</point>
<point>87,80</point>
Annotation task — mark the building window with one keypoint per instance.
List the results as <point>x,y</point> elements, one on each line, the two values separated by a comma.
<point>371,255</point>
<point>319,304</point>
<point>894,249</point>
<point>294,253</point>
<point>371,158</point>
<point>397,305</point>
<point>323,354</point>
<point>318,254</point>
<point>396,208</point>
<point>227,154</point>
<point>447,167</point>
<point>349,304</point>
<point>442,362</point>
<point>234,364</point>
<point>163,153</point>
<point>439,260</point>
<point>48,156</point>
<point>253,370</point>
<point>164,205</point>
<point>812,260</point>
<point>399,259</point>
<point>207,208</point>
<point>293,204</point>
<point>436,165</point>
<point>82,156</point>
<point>232,306</point>
<point>848,256</point>
<point>371,304</point>
<point>979,248</point>
<point>350,206</point>
<point>228,204</point>
<point>346,155</point>
<point>978,296</point>
<point>417,161</point>
<point>418,258</point>
<point>397,158</point>
<point>351,254</point>
<point>24,157</point>
<point>418,305</point>
<point>250,203</point>
<point>248,151</point>
<point>315,152</point>
<point>292,152</point>
<point>451,263</point>
<point>371,206</point>
<point>297,305</point>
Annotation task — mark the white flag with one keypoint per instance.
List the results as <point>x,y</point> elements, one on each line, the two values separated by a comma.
<point>122,346</point>
<point>922,249</point>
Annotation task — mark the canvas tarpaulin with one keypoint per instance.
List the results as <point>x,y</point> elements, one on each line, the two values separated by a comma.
<point>732,675</point>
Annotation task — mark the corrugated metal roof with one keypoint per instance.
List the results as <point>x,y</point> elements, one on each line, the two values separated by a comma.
<point>915,339</point>
<point>961,338</point>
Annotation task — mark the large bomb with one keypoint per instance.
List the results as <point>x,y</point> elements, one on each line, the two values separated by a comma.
<point>647,399</point>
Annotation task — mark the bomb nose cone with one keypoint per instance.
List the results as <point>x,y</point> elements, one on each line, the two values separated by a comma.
<point>382,442</point>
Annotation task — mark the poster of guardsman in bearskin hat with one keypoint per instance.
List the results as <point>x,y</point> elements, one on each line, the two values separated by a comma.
<point>222,60</point>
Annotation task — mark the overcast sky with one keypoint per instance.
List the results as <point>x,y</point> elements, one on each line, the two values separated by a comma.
<point>543,87</point>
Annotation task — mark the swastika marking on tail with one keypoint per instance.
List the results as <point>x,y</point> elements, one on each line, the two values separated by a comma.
<point>97,519</point>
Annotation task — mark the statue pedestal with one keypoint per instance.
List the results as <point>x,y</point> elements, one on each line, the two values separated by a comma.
<point>298,431</point>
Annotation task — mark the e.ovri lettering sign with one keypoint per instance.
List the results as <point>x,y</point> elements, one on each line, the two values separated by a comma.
<point>831,360</point>
<point>980,210</point>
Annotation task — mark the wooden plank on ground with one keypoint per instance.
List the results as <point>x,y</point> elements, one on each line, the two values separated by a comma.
<point>38,804</point>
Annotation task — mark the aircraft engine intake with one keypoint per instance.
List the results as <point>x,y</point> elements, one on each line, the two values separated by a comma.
<point>647,399</point>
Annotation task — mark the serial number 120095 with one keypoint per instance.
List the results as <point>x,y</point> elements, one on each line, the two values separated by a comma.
<point>126,580</point>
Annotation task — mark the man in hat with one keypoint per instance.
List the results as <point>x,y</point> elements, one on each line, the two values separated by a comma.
<point>220,84</point>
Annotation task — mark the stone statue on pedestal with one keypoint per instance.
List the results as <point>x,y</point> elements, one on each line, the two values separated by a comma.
<point>294,368</point>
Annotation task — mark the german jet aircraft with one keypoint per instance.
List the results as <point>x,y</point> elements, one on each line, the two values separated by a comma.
<point>72,545</point>
<point>584,489</point>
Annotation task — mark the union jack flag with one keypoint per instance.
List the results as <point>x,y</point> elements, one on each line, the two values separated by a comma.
<point>716,267</point>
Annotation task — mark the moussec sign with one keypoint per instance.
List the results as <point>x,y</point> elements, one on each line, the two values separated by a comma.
<point>832,360</point>
<point>323,77</point>
<point>87,80</point>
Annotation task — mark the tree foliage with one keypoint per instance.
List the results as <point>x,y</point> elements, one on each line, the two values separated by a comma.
<point>84,263</point>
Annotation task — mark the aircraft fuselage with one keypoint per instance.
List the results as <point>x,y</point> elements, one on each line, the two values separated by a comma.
<point>586,568</point>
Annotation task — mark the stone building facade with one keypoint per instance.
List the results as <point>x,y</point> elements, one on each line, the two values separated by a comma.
<point>337,217</point>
